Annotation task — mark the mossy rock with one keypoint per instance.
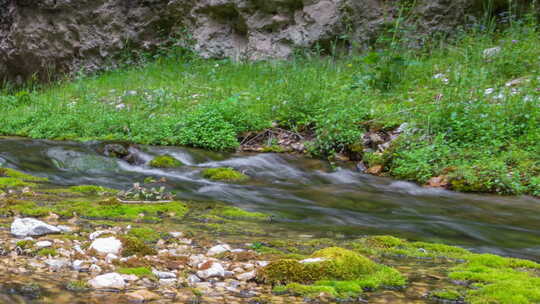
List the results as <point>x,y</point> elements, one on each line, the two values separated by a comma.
<point>339,272</point>
<point>91,189</point>
<point>134,246</point>
<point>224,174</point>
<point>337,264</point>
<point>165,161</point>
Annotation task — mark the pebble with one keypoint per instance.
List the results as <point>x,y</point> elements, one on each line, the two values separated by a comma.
<point>111,280</point>
<point>107,245</point>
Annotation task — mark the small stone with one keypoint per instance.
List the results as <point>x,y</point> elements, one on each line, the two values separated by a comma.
<point>77,265</point>
<point>111,280</point>
<point>176,234</point>
<point>492,52</point>
<point>141,296</point>
<point>57,264</point>
<point>167,282</point>
<point>111,257</point>
<point>107,245</point>
<point>218,249</point>
<point>215,270</point>
<point>130,277</point>
<point>246,276</point>
<point>23,227</point>
<point>95,268</point>
<point>43,244</point>
<point>164,275</point>
<point>192,279</point>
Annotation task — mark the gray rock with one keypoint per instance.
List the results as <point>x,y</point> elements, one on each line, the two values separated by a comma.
<point>218,249</point>
<point>23,227</point>
<point>164,274</point>
<point>192,279</point>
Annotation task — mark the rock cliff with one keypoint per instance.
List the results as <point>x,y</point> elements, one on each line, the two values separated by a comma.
<point>42,38</point>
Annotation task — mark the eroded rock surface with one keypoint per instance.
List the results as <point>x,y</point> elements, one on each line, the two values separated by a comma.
<point>43,37</point>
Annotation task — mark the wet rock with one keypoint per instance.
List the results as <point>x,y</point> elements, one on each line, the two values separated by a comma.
<point>218,249</point>
<point>141,296</point>
<point>23,227</point>
<point>111,280</point>
<point>375,170</point>
<point>107,245</point>
<point>115,150</point>
<point>211,270</point>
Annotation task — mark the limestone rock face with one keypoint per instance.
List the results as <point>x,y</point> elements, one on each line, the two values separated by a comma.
<point>46,37</point>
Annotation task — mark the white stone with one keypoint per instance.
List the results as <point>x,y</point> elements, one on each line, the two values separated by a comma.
<point>64,228</point>
<point>167,282</point>
<point>130,277</point>
<point>491,52</point>
<point>95,268</point>
<point>164,274</point>
<point>23,227</point>
<point>176,234</point>
<point>262,263</point>
<point>246,276</point>
<point>107,245</point>
<point>77,265</point>
<point>111,257</point>
<point>215,270</point>
<point>43,244</point>
<point>111,280</point>
<point>218,249</point>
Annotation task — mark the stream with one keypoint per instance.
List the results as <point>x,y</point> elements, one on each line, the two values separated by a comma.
<point>304,193</point>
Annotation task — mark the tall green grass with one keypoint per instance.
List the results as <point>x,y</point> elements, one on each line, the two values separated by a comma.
<point>464,122</point>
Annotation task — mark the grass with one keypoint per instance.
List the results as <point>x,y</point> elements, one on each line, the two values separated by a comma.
<point>464,122</point>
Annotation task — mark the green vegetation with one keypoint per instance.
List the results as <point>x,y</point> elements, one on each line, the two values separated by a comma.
<point>10,178</point>
<point>446,294</point>
<point>141,272</point>
<point>109,209</point>
<point>135,246</point>
<point>91,189</point>
<point>338,272</point>
<point>165,161</point>
<point>145,234</point>
<point>470,118</point>
<point>237,213</point>
<point>224,174</point>
<point>25,244</point>
<point>47,252</point>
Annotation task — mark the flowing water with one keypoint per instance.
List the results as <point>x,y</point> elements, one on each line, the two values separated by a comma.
<point>305,192</point>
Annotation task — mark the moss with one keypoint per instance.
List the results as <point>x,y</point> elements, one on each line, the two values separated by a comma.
<point>338,264</point>
<point>47,252</point>
<point>273,149</point>
<point>224,174</point>
<point>499,280</point>
<point>7,172</point>
<point>91,189</point>
<point>341,273</point>
<point>11,182</point>
<point>113,209</point>
<point>165,161</point>
<point>25,244</point>
<point>25,208</point>
<point>77,286</point>
<point>237,213</point>
<point>388,245</point>
<point>305,290</point>
<point>144,234</point>
<point>446,294</point>
<point>134,246</point>
<point>142,272</point>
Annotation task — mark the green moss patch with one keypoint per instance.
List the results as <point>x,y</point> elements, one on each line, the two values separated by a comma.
<point>147,235</point>
<point>338,272</point>
<point>165,161</point>
<point>91,189</point>
<point>134,246</point>
<point>10,178</point>
<point>237,213</point>
<point>141,272</point>
<point>224,174</point>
